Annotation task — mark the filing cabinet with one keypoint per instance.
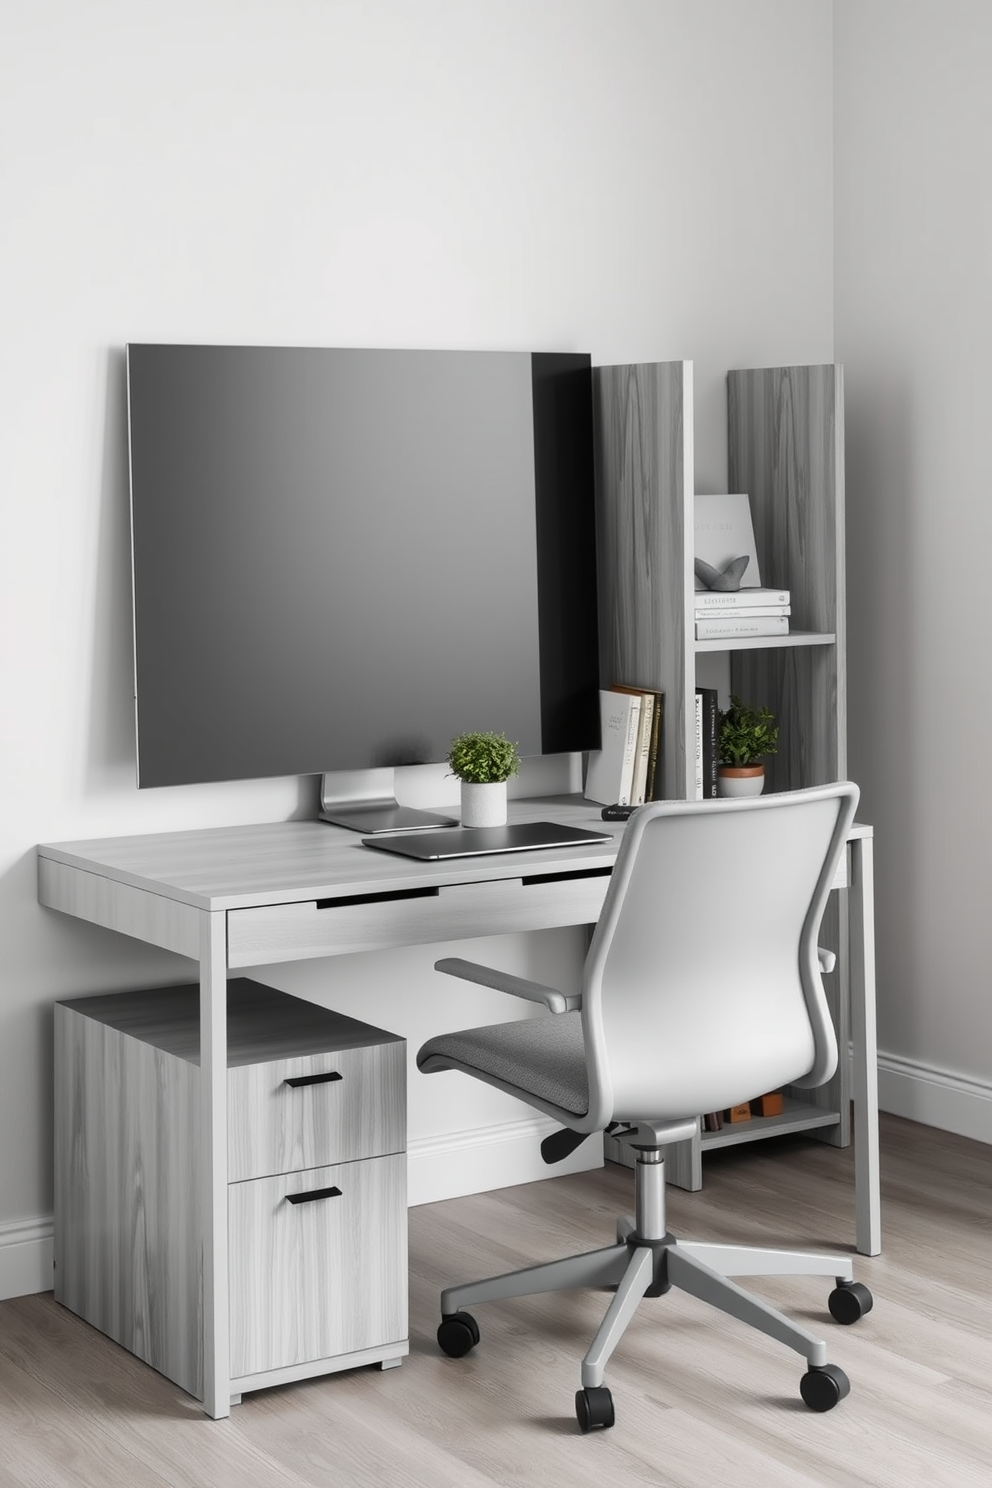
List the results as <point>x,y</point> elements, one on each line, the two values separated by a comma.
<point>316,1182</point>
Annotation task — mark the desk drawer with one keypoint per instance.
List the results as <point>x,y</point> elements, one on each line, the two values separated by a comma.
<point>343,1105</point>
<point>415,917</point>
<point>322,1276</point>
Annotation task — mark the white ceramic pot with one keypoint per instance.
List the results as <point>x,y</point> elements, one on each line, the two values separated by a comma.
<point>484,805</point>
<point>740,780</point>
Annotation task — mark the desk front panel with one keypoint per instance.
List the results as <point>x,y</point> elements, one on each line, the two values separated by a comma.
<point>288,932</point>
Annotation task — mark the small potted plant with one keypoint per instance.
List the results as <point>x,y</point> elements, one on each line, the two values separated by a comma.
<point>747,735</point>
<point>483,764</point>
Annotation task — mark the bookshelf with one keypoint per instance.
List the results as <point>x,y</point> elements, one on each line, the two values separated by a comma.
<point>786,450</point>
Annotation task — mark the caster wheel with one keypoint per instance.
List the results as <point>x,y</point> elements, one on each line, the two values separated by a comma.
<point>594,1408</point>
<point>457,1334</point>
<point>822,1387</point>
<point>849,1301</point>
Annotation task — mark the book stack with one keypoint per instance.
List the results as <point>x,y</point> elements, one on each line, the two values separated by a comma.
<point>624,770</point>
<point>729,614</point>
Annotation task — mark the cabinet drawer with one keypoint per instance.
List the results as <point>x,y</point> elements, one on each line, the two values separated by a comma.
<point>322,1276</point>
<point>341,1106</point>
<point>439,912</point>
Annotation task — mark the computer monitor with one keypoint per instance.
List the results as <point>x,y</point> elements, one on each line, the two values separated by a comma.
<point>342,558</point>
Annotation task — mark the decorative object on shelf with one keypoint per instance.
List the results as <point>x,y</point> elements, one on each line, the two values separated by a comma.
<point>726,579</point>
<point>483,763</point>
<point>747,735</point>
<point>724,546</point>
<point>772,1104</point>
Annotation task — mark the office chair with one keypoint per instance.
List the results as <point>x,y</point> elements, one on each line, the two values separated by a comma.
<point>701,989</point>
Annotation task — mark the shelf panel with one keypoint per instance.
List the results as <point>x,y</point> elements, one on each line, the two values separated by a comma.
<point>798,1116</point>
<point>765,643</point>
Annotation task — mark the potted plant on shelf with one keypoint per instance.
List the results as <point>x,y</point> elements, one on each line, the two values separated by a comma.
<point>747,735</point>
<point>483,763</point>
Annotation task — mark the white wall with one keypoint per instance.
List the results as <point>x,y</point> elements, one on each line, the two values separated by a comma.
<point>636,178</point>
<point>913,320</point>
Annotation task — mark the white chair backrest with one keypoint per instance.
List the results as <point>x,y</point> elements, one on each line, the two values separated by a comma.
<point>702,987</point>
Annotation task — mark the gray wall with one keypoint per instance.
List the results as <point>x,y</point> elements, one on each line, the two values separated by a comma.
<point>640,179</point>
<point>913,249</point>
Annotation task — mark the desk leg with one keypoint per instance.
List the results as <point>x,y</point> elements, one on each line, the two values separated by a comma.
<point>213,1175</point>
<point>868,1230</point>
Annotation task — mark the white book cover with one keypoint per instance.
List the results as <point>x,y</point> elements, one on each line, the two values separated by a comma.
<point>725,627</point>
<point>610,772</point>
<point>709,600</point>
<point>724,531</point>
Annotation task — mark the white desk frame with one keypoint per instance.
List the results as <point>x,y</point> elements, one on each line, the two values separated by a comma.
<point>248,896</point>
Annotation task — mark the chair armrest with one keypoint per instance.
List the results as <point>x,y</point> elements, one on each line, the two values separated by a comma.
<point>503,981</point>
<point>826,958</point>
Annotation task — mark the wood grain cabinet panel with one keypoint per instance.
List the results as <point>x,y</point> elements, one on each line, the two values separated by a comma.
<point>314,1285</point>
<point>321,1276</point>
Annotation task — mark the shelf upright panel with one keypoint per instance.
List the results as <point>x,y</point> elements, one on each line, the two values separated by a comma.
<point>786,450</point>
<point>643,420</point>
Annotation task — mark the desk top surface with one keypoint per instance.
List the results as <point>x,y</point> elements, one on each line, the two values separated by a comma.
<point>238,867</point>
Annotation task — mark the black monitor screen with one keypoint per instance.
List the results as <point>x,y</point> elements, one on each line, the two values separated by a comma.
<point>343,558</point>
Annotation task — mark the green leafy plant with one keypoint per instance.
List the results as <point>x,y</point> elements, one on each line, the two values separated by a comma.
<point>746,734</point>
<point>483,759</point>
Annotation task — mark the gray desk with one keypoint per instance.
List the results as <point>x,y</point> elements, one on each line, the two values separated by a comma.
<point>233,897</point>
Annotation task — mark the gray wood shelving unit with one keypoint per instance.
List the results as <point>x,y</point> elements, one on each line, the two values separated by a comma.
<point>785,449</point>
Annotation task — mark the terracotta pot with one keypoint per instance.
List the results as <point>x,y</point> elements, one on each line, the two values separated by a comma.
<point>740,780</point>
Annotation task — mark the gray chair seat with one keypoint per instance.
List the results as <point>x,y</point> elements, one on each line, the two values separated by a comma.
<point>542,1057</point>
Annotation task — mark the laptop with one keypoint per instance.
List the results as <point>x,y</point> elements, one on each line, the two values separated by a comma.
<point>471,842</point>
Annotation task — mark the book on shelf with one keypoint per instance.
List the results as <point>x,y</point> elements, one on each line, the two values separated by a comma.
<point>649,741</point>
<point>610,771</point>
<point>728,627</point>
<point>708,748</point>
<point>713,1121</point>
<point>723,532</point>
<point>697,750</point>
<point>745,612</point>
<point>708,600</point>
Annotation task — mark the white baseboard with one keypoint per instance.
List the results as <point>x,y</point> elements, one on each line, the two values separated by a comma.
<point>26,1257</point>
<point>491,1157</point>
<point>935,1097</point>
<point>439,1168</point>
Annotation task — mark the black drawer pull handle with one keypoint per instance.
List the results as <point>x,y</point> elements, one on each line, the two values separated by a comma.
<point>295,1080</point>
<point>315,1193</point>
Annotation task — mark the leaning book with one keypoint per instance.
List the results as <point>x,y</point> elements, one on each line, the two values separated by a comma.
<point>610,771</point>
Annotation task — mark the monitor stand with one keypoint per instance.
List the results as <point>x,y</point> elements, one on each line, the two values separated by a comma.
<point>365,801</point>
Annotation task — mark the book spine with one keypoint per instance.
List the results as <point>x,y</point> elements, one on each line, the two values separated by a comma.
<point>698,751</point>
<point>639,787</point>
<point>727,626</point>
<point>710,732</point>
<point>630,753</point>
<point>654,756</point>
<point>739,599</point>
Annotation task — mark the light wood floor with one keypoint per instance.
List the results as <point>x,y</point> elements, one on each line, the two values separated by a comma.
<point>701,1400</point>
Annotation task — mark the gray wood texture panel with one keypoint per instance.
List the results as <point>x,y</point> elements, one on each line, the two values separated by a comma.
<point>644,492</point>
<point>786,450</point>
<point>263,1023</point>
<point>218,868</point>
<point>151,917</point>
<point>318,1278</point>
<point>128,1225</point>
<point>277,1128</point>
